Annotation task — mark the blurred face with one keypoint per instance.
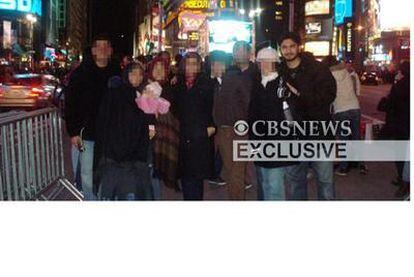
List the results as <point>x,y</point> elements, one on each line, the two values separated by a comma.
<point>241,55</point>
<point>267,67</point>
<point>289,49</point>
<point>158,72</point>
<point>218,69</point>
<point>102,51</point>
<point>136,77</point>
<point>192,67</point>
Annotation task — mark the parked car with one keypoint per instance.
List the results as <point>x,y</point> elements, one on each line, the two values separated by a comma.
<point>28,91</point>
<point>370,78</point>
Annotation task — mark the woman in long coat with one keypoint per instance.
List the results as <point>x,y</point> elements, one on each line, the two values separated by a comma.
<point>194,100</point>
<point>166,141</point>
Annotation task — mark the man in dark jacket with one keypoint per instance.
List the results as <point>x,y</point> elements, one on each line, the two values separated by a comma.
<point>314,88</point>
<point>231,104</point>
<point>86,87</point>
<point>397,107</point>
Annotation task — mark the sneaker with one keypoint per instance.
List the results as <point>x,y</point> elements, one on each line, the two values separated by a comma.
<point>248,186</point>
<point>363,169</point>
<point>217,182</point>
<point>341,172</point>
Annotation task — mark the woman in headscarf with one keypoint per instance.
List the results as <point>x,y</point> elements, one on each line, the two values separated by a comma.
<point>194,100</point>
<point>123,140</point>
<point>166,141</point>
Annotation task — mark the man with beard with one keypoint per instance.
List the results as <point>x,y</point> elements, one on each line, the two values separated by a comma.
<point>314,90</point>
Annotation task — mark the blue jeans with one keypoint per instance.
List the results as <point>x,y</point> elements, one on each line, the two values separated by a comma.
<point>354,116</point>
<point>76,167</point>
<point>296,176</point>
<point>125,197</point>
<point>271,183</point>
<point>86,165</point>
<point>406,172</point>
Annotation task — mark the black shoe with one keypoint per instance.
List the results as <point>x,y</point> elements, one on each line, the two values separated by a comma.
<point>342,172</point>
<point>217,182</point>
<point>363,169</point>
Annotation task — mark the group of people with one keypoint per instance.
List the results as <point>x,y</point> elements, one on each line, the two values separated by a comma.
<point>152,123</point>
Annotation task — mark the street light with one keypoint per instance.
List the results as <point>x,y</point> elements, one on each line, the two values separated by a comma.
<point>32,19</point>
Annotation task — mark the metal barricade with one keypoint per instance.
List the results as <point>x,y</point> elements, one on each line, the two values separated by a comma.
<point>32,156</point>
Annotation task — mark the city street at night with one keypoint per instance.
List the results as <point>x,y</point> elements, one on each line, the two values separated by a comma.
<point>240,138</point>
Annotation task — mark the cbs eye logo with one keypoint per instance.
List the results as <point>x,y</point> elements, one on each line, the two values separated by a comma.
<point>241,128</point>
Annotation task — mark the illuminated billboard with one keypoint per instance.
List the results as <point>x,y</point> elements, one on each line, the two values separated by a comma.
<point>318,48</point>
<point>343,9</point>
<point>27,6</point>
<point>313,28</point>
<point>225,33</point>
<point>317,7</point>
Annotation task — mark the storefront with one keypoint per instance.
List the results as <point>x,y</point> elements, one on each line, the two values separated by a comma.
<point>203,26</point>
<point>20,31</point>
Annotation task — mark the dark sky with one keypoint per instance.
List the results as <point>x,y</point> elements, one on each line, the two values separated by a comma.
<point>116,18</point>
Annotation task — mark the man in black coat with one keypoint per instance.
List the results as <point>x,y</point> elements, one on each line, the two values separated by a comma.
<point>314,90</point>
<point>86,87</point>
<point>397,125</point>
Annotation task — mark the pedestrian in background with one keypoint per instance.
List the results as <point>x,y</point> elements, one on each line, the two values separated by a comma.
<point>346,108</point>
<point>397,123</point>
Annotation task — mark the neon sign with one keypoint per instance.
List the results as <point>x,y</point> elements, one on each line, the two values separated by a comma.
<point>28,6</point>
<point>343,8</point>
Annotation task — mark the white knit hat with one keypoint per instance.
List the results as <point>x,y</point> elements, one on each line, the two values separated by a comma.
<point>268,54</point>
<point>155,88</point>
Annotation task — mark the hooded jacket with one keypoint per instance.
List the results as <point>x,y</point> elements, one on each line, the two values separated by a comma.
<point>86,88</point>
<point>346,98</point>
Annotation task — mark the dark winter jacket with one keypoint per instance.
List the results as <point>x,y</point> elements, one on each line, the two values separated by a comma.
<point>397,107</point>
<point>194,108</point>
<point>317,89</point>
<point>86,88</point>
<point>231,103</point>
<point>266,106</point>
<point>122,128</point>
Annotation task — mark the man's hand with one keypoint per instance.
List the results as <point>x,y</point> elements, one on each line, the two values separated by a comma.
<point>76,141</point>
<point>152,134</point>
<point>174,81</point>
<point>211,131</point>
<point>293,89</point>
<point>152,131</point>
